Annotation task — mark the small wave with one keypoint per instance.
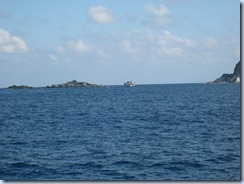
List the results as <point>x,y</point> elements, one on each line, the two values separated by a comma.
<point>87,165</point>
<point>18,143</point>
<point>167,166</point>
<point>153,134</point>
<point>228,157</point>
<point>23,164</point>
<point>174,168</point>
<point>125,162</point>
<point>157,164</point>
<point>224,158</point>
<point>116,175</point>
<point>191,164</point>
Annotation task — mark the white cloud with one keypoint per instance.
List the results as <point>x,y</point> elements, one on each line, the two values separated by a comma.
<point>210,42</point>
<point>144,45</point>
<point>11,44</point>
<point>159,16</point>
<point>101,14</point>
<point>173,46</point>
<point>52,57</point>
<point>102,53</point>
<point>78,46</point>
<point>150,37</point>
<point>60,50</point>
<point>161,11</point>
<point>168,39</point>
<point>175,52</point>
<point>128,48</point>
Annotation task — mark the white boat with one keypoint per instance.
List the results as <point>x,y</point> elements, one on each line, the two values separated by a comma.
<point>129,84</point>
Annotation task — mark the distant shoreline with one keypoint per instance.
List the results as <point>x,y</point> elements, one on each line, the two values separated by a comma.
<point>15,87</point>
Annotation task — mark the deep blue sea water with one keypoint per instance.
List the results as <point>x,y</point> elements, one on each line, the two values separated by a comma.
<point>146,132</point>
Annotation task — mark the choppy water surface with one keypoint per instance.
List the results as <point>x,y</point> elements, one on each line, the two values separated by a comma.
<point>147,132</point>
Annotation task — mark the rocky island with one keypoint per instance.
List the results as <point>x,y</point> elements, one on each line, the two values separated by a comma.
<point>235,77</point>
<point>74,84</point>
<point>19,87</point>
<point>71,84</point>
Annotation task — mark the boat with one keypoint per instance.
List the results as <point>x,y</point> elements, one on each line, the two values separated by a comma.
<point>129,84</point>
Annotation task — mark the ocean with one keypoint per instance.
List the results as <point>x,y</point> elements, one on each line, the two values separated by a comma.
<point>147,132</point>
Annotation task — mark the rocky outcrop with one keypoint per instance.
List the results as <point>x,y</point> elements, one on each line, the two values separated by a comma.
<point>19,87</point>
<point>235,77</point>
<point>73,84</point>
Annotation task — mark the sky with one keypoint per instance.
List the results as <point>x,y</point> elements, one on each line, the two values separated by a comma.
<point>109,42</point>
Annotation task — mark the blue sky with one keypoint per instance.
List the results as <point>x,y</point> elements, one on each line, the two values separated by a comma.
<point>109,42</point>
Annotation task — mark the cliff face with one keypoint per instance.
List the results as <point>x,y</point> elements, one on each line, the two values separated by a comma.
<point>237,70</point>
<point>235,77</point>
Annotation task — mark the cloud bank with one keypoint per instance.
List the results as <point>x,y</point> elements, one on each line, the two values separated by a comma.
<point>10,43</point>
<point>77,46</point>
<point>161,11</point>
<point>101,14</point>
<point>158,16</point>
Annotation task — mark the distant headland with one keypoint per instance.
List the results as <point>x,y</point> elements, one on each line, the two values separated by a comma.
<point>235,77</point>
<point>70,84</point>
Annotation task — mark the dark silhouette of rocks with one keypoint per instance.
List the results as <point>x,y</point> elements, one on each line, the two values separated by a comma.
<point>19,87</point>
<point>73,84</point>
<point>235,77</point>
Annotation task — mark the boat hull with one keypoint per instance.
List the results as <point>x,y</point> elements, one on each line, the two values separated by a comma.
<point>129,84</point>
